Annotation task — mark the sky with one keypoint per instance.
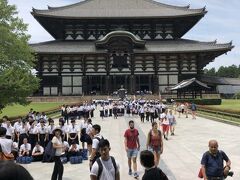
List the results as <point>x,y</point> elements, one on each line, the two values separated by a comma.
<point>221,23</point>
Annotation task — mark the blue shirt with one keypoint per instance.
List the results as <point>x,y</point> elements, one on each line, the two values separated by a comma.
<point>214,164</point>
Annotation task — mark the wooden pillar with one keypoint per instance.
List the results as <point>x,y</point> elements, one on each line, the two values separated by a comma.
<point>126,83</point>
<point>101,85</point>
<point>132,84</point>
<point>150,82</point>
<point>59,65</point>
<point>84,79</point>
<point>114,83</point>
<point>107,79</point>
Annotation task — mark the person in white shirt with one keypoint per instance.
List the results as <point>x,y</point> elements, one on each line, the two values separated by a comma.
<point>25,148</point>
<point>165,124</point>
<point>16,127</point>
<point>74,150</point>
<point>65,148</point>
<point>92,108</point>
<point>105,168</point>
<point>58,145</point>
<point>142,112</point>
<point>44,116</point>
<point>64,128</point>
<point>6,144</point>
<point>50,129</point>
<point>37,152</point>
<point>96,129</point>
<point>83,134</point>
<point>172,122</point>
<point>33,134</point>
<point>73,131</point>
<point>101,111</point>
<point>42,133</point>
<point>10,130</point>
<point>23,132</point>
<point>4,121</point>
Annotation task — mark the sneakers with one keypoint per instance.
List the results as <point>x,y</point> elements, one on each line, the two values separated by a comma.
<point>230,173</point>
<point>129,172</point>
<point>135,175</point>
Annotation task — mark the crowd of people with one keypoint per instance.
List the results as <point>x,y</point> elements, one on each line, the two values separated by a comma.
<point>32,136</point>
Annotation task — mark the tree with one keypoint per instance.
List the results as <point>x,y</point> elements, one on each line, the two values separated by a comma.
<point>210,72</point>
<point>230,71</point>
<point>16,58</point>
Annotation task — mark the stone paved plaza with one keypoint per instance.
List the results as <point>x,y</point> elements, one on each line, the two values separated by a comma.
<point>181,155</point>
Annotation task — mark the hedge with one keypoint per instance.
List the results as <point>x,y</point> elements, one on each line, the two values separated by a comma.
<point>201,101</point>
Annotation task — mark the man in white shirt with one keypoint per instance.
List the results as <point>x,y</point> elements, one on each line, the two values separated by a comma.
<point>105,168</point>
<point>96,129</point>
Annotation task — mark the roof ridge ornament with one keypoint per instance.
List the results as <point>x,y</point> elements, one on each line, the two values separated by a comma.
<point>135,40</point>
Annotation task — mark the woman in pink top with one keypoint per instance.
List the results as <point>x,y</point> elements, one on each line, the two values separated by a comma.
<point>155,143</point>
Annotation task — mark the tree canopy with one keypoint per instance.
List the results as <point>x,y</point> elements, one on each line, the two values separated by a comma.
<point>231,71</point>
<point>16,58</point>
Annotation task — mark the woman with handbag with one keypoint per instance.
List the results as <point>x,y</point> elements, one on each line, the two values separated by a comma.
<point>5,146</point>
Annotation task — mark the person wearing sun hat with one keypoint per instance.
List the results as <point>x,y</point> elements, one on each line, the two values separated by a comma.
<point>58,145</point>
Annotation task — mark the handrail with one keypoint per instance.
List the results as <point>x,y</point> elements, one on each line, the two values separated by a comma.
<point>219,112</point>
<point>229,117</point>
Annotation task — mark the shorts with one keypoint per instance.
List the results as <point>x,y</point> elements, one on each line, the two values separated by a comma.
<point>154,149</point>
<point>165,127</point>
<point>172,123</point>
<point>132,153</point>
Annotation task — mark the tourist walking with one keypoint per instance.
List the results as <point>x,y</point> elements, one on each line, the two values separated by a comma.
<point>105,168</point>
<point>155,143</point>
<point>152,172</point>
<point>193,110</point>
<point>132,146</point>
<point>172,122</point>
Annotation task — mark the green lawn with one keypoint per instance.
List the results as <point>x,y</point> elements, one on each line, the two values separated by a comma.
<point>229,104</point>
<point>18,110</point>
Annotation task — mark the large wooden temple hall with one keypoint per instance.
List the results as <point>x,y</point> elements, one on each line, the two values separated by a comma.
<point>102,44</point>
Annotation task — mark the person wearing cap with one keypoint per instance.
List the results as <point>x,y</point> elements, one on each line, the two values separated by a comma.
<point>58,145</point>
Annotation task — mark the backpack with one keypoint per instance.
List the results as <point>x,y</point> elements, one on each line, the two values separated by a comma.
<point>49,152</point>
<point>75,159</point>
<point>24,160</point>
<point>100,167</point>
<point>150,133</point>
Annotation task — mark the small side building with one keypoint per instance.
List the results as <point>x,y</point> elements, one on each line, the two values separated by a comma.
<point>226,87</point>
